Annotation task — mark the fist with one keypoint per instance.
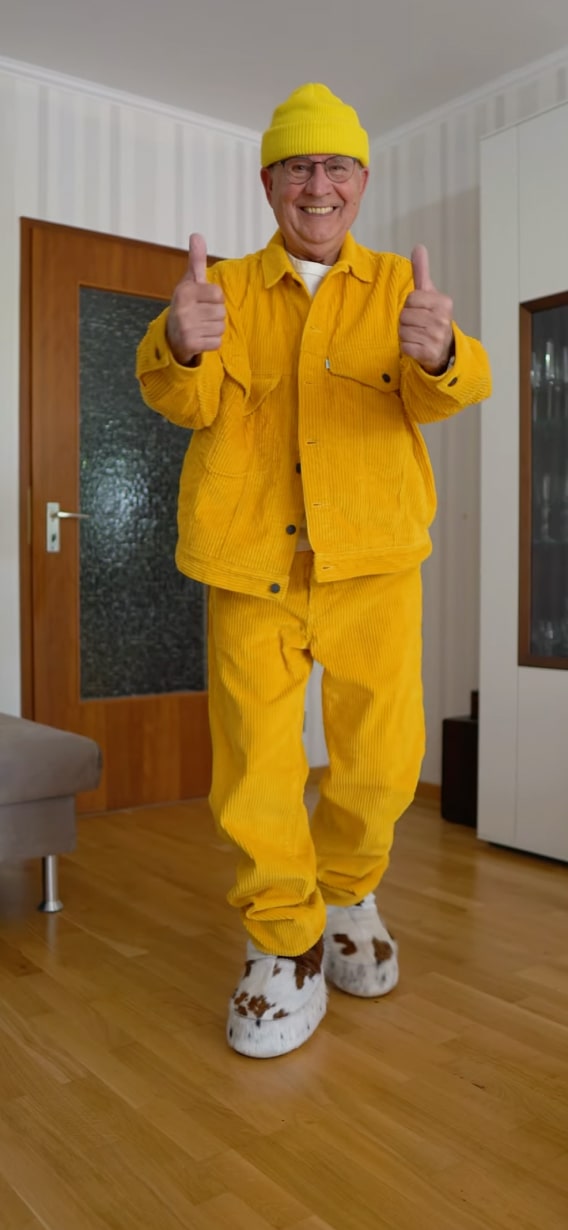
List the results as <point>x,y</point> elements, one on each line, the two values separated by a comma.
<point>196,319</point>
<point>425,327</point>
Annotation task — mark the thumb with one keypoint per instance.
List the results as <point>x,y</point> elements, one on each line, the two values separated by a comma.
<point>197,266</point>
<point>421,268</point>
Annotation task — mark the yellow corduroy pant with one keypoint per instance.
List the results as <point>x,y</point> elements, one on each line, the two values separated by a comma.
<point>367,635</point>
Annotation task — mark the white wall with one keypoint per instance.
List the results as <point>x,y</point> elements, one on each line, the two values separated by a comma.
<point>425,188</point>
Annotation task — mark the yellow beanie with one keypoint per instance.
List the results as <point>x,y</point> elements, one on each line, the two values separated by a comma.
<point>314,121</point>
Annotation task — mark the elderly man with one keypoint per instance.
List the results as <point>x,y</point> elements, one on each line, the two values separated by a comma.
<point>305,372</point>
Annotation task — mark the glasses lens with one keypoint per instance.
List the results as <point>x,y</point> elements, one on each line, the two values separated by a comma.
<point>338,169</point>
<point>297,170</point>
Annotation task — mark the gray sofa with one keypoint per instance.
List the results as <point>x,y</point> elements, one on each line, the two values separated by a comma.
<point>41,771</point>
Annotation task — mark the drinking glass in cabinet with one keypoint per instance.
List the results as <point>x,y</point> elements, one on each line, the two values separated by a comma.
<point>543,589</point>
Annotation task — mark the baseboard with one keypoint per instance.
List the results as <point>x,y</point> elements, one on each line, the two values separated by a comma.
<point>427,793</point>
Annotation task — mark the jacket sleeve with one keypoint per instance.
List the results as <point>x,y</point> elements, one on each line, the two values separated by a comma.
<point>428,399</point>
<point>187,396</point>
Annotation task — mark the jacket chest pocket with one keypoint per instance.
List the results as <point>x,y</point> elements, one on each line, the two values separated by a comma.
<point>371,367</point>
<point>242,438</point>
<point>366,391</point>
<point>369,418</point>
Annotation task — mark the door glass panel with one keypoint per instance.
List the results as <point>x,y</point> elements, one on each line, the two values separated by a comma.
<point>549,484</point>
<point>142,623</point>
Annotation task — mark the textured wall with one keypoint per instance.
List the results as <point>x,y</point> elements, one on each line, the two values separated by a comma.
<point>425,188</point>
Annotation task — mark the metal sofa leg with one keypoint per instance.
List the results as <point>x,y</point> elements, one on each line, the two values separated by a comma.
<point>51,903</point>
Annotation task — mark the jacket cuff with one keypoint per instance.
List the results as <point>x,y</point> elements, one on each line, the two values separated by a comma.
<point>187,395</point>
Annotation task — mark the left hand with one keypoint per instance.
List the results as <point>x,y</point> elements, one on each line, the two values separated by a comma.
<point>425,328</point>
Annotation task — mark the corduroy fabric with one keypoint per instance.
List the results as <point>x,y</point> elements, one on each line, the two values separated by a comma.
<point>366,632</point>
<point>318,384</point>
<point>314,121</point>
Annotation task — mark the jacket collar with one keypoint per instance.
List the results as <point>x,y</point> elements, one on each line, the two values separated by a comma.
<point>352,259</point>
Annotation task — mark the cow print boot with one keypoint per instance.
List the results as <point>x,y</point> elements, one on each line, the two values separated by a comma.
<point>360,955</point>
<point>278,1003</point>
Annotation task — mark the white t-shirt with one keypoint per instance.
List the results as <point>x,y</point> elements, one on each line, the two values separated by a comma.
<point>311,272</point>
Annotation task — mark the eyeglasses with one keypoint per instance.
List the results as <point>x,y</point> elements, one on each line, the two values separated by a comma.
<point>337,168</point>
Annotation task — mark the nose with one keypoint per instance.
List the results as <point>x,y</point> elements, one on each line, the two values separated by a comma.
<point>318,183</point>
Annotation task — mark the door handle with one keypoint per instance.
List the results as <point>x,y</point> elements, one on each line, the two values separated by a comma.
<point>55,514</point>
<point>69,516</point>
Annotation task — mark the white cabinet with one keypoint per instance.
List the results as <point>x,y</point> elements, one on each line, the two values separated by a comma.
<point>523,743</point>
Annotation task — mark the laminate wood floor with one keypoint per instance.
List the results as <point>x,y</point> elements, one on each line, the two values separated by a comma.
<point>442,1107</point>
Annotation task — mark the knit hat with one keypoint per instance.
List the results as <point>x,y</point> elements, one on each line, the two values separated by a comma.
<point>314,121</point>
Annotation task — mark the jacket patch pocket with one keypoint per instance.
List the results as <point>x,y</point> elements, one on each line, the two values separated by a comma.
<point>242,437</point>
<point>263,424</point>
<point>375,368</point>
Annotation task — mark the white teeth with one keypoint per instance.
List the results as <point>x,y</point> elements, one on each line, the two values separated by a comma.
<point>314,209</point>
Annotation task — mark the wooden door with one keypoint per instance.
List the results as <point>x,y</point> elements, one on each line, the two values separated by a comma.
<point>113,637</point>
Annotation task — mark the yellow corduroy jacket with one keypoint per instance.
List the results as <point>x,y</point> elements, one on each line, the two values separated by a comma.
<point>308,404</point>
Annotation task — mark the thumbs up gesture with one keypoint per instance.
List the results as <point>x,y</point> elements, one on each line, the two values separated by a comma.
<point>196,319</point>
<point>425,328</point>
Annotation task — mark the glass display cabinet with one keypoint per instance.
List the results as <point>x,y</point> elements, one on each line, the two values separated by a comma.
<point>543,580</point>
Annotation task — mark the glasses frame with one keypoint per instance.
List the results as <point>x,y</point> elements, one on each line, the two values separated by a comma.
<point>317,162</point>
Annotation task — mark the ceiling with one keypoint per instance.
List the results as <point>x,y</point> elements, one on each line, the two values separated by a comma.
<point>235,59</point>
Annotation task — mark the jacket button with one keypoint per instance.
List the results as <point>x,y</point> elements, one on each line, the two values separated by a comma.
<point>386,378</point>
<point>275,589</point>
<point>290,529</point>
<point>298,467</point>
<point>452,382</point>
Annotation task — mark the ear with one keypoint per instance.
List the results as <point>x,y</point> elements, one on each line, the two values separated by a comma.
<point>266,176</point>
<point>364,179</point>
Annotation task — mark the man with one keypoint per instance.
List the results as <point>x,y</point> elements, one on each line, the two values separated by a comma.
<point>305,501</point>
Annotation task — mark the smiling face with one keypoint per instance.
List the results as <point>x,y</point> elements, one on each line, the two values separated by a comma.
<point>315,217</point>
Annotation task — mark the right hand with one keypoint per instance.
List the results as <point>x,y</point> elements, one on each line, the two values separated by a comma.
<point>196,319</point>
